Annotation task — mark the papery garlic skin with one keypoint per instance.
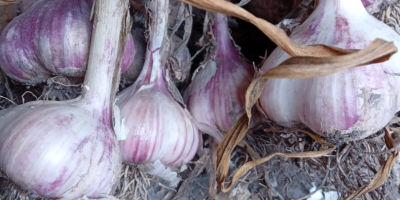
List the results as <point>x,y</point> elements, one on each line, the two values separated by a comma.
<point>352,104</point>
<point>50,38</point>
<point>158,127</point>
<point>182,60</point>
<point>61,155</point>
<point>216,95</point>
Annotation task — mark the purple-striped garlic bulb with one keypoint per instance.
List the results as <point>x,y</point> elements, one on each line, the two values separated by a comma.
<point>68,149</point>
<point>154,126</point>
<point>349,105</point>
<point>217,93</point>
<point>51,38</point>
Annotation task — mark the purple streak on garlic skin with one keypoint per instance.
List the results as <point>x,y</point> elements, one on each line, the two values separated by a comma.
<point>367,3</point>
<point>63,123</point>
<point>358,101</point>
<point>50,38</point>
<point>20,65</point>
<point>216,94</point>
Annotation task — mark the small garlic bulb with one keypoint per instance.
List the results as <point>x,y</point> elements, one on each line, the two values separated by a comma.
<point>217,93</point>
<point>349,105</point>
<point>157,127</point>
<point>154,126</point>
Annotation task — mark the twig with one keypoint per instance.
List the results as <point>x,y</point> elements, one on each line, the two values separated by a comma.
<point>374,153</point>
<point>8,100</point>
<point>198,52</point>
<point>9,92</point>
<point>65,85</point>
<point>23,99</point>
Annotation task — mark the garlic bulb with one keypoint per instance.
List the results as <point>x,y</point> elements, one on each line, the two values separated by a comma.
<point>68,149</point>
<point>155,126</point>
<point>216,94</point>
<point>50,38</point>
<point>349,105</point>
<point>158,128</point>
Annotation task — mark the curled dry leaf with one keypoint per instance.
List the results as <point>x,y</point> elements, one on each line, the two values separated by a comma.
<point>295,67</point>
<point>234,139</point>
<point>382,175</point>
<point>276,34</point>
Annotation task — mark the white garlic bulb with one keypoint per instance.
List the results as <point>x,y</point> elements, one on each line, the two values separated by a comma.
<point>349,105</point>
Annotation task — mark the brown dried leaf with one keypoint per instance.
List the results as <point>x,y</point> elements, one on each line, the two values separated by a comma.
<point>249,150</point>
<point>9,2</point>
<point>382,175</point>
<point>276,34</point>
<point>304,65</point>
<point>226,147</point>
<point>309,67</point>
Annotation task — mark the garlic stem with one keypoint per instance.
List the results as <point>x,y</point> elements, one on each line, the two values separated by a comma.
<point>105,57</point>
<point>221,33</point>
<point>157,46</point>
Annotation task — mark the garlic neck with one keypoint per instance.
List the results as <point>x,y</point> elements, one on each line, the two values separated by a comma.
<point>222,35</point>
<point>155,54</point>
<point>106,52</point>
